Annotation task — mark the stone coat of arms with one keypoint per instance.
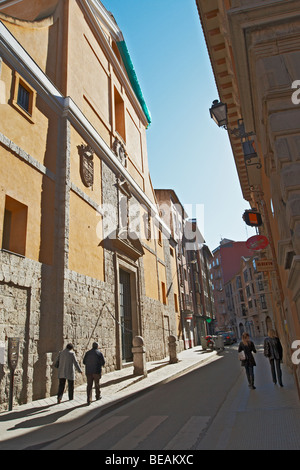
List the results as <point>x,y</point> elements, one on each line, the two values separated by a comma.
<point>86,165</point>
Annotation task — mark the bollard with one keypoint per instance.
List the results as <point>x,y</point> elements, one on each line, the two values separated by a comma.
<point>173,349</point>
<point>139,356</point>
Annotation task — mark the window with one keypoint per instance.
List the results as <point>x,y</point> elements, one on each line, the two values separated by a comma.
<point>272,208</point>
<point>148,226</point>
<point>24,97</point>
<point>248,291</point>
<point>159,237</point>
<point>176,303</point>
<point>164,294</point>
<point>14,226</point>
<point>263,302</point>
<point>119,115</point>
<point>116,51</point>
<point>260,285</point>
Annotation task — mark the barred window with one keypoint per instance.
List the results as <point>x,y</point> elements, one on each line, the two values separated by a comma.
<point>23,98</point>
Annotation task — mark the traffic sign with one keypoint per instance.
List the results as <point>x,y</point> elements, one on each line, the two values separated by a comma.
<point>258,242</point>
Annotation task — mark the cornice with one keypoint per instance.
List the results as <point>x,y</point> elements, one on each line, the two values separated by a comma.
<point>242,22</point>
<point>5,3</point>
<point>214,29</point>
<point>93,9</point>
<point>39,24</point>
<point>228,35</point>
<point>106,17</point>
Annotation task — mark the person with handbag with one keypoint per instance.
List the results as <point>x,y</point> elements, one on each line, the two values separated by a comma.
<point>273,351</point>
<point>246,348</point>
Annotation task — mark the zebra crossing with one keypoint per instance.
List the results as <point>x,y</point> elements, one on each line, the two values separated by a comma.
<point>90,436</point>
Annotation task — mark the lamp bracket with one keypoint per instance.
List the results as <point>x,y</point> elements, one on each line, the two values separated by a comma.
<point>239,132</point>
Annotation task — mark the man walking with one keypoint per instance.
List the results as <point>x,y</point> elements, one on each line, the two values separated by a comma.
<point>66,364</point>
<point>93,361</point>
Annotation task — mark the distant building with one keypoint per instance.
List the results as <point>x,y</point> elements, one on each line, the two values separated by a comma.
<point>225,264</point>
<point>174,216</point>
<point>248,300</point>
<point>200,261</point>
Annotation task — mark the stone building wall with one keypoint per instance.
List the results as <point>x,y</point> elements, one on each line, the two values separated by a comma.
<point>23,307</point>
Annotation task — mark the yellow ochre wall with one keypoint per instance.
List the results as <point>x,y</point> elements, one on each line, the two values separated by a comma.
<point>21,181</point>
<point>82,68</point>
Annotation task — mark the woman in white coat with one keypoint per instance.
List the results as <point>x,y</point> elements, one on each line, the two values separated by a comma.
<point>66,364</point>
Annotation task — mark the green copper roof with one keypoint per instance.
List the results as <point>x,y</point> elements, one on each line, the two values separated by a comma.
<point>133,78</point>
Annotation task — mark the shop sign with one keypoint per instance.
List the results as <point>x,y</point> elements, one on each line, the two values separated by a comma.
<point>264,265</point>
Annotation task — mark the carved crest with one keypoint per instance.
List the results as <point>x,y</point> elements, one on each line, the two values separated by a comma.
<point>86,164</point>
<point>120,152</point>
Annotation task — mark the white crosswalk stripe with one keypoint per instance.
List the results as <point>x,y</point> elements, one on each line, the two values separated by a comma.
<point>90,432</point>
<point>188,434</point>
<point>139,434</point>
<point>184,439</point>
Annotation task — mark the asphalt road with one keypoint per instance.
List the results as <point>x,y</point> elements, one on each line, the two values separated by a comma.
<point>175,415</point>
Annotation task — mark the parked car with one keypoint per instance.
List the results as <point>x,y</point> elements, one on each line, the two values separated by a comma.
<point>233,336</point>
<point>226,336</point>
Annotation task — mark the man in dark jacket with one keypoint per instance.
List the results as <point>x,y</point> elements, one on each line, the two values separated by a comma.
<point>273,351</point>
<point>93,361</point>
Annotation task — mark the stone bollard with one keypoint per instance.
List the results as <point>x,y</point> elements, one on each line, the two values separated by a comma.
<point>139,356</point>
<point>173,349</point>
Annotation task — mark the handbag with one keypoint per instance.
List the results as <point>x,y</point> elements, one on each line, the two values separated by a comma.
<point>242,356</point>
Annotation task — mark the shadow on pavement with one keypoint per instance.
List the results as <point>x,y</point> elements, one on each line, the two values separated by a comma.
<point>37,420</point>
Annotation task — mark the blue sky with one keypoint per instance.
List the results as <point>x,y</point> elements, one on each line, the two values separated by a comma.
<point>187,152</point>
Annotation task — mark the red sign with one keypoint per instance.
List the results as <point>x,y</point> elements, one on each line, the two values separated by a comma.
<point>258,242</point>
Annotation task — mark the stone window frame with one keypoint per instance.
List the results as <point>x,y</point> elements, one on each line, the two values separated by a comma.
<point>30,113</point>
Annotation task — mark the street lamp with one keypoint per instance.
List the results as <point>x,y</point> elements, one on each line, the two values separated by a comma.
<point>218,112</point>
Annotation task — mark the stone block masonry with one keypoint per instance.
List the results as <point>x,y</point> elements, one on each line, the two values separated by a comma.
<point>88,316</point>
<point>21,316</point>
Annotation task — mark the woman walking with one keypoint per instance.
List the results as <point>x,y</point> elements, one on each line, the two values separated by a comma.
<point>273,351</point>
<point>247,347</point>
<point>66,364</point>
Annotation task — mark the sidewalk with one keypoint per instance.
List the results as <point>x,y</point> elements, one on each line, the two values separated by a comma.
<point>267,418</point>
<point>31,425</point>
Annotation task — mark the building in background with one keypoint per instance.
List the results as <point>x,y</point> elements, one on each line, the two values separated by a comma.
<point>200,262</point>
<point>254,48</point>
<point>225,264</point>
<point>193,257</point>
<point>248,300</point>
<point>175,218</point>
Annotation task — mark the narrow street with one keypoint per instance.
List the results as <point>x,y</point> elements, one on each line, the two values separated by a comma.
<point>208,408</point>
